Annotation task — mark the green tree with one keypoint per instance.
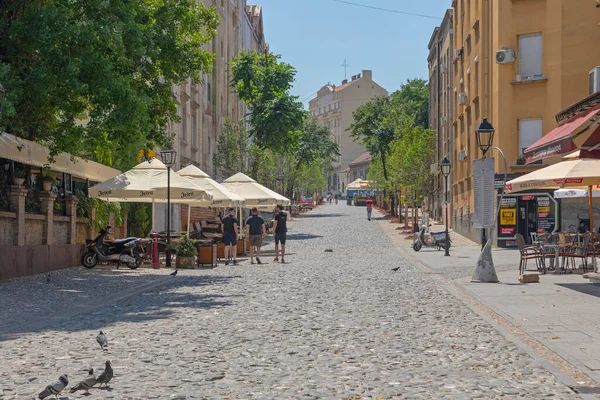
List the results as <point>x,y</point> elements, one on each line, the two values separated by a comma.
<point>374,125</point>
<point>232,149</point>
<point>94,78</point>
<point>264,83</point>
<point>412,100</point>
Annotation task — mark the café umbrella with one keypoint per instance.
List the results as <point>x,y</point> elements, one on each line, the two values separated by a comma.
<point>573,174</point>
<point>254,194</point>
<point>221,196</point>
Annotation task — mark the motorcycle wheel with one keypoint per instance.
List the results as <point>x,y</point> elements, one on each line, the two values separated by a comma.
<point>89,259</point>
<point>417,246</point>
<point>447,245</point>
<point>138,262</point>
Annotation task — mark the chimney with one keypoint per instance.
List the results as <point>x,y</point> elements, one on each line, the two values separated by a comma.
<point>353,77</point>
<point>368,74</point>
<point>344,81</point>
<point>357,76</point>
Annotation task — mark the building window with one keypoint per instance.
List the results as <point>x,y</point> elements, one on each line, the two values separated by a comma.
<point>530,131</point>
<point>184,122</point>
<point>530,55</point>
<point>194,127</point>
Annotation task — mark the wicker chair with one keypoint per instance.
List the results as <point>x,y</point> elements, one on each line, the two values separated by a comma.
<point>529,253</point>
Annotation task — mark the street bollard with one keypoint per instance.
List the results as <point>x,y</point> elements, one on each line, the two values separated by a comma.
<point>155,258</point>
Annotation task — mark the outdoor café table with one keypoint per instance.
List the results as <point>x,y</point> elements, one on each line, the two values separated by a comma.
<point>556,248</point>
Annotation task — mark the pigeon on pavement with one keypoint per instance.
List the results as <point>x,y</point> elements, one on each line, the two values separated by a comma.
<point>87,383</point>
<point>102,341</point>
<point>55,388</point>
<point>105,376</point>
<point>395,269</point>
<point>173,273</point>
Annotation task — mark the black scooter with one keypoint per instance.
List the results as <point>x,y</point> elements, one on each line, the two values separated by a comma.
<point>126,251</point>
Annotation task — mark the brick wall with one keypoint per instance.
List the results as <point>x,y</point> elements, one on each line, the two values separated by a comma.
<point>34,229</point>
<point>198,214</point>
<point>83,231</point>
<point>8,221</point>
<point>61,230</point>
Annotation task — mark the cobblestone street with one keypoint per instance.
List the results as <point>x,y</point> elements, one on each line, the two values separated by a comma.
<point>339,325</point>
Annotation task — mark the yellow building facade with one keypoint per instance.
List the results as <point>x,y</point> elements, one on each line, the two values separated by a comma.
<point>518,63</point>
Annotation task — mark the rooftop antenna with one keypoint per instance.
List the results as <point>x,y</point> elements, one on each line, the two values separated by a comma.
<point>345,65</point>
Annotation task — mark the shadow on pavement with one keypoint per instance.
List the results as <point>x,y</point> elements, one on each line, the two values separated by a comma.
<point>302,236</point>
<point>584,287</point>
<point>67,305</point>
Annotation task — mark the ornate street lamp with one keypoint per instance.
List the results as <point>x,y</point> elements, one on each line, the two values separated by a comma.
<point>446,166</point>
<point>484,135</point>
<point>168,158</point>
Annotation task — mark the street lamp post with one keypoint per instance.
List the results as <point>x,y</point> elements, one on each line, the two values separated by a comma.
<point>484,269</point>
<point>445,166</point>
<point>168,158</point>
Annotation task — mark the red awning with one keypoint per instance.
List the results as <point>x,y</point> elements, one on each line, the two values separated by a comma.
<point>565,138</point>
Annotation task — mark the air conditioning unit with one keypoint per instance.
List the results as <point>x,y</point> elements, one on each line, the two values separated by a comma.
<point>462,98</point>
<point>594,80</point>
<point>505,56</point>
<point>458,53</point>
<point>462,155</point>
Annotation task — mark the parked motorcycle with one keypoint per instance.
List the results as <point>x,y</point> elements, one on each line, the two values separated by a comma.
<point>431,239</point>
<point>126,251</point>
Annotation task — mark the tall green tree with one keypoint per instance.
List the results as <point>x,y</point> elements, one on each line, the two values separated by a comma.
<point>374,125</point>
<point>94,78</point>
<point>233,149</point>
<point>264,83</point>
<point>412,100</point>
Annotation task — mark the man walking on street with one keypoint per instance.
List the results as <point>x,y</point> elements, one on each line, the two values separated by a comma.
<point>280,229</point>
<point>229,227</point>
<point>369,208</point>
<point>256,232</point>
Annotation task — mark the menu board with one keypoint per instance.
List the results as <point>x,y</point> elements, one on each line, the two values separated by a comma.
<point>545,211</point>
<point>507,225</point>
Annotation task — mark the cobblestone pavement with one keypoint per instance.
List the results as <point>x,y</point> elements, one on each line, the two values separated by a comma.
<point>333,324</point>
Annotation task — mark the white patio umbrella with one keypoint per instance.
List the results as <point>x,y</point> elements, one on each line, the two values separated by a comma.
<point>147,183</point>
<point>221,196</point>
<point>254,194</point>
<point>574,193</point>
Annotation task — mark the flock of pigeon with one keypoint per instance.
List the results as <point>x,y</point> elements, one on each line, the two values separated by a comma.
<point>86,384</point>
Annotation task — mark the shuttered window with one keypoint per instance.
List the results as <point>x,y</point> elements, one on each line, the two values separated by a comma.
<point>530,131</point>
<point>530,55</point>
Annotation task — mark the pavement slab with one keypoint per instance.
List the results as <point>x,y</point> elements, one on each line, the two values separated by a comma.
<point>336,324</point>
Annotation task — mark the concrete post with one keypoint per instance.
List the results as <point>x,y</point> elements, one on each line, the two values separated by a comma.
<point>71,203</point>
<point>47,207</point>
<point>17,205</point>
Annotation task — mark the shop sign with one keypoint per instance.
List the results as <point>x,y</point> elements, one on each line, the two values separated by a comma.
<point>507,231</point>
<point>508,217</point>
<point>527,198</point>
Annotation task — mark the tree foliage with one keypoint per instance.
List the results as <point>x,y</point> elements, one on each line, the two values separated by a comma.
<point>94,78</point>
<point>264,83</point>
<point>412,100</point>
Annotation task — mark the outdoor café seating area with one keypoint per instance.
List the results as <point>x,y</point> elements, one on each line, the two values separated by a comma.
<point>559,252</point>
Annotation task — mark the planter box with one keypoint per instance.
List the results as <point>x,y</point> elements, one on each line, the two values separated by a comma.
<point>241,247</point>
<point>185,262</point>
<point>207,255</point>
<point>220,250</point>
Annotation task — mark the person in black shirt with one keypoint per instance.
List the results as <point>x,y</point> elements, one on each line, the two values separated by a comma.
<point>280,229</point>
<point>256,231</point>
<point>230,234</point>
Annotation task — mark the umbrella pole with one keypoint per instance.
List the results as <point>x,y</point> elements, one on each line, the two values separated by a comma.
<point>152,229</point>
<point>189,217</point>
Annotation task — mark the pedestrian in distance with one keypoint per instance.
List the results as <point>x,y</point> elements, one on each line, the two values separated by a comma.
<point>336,198</point>
<point>369,208</point>
<point>280,229</point>
<point>256,232</point>
<point>229,228</point>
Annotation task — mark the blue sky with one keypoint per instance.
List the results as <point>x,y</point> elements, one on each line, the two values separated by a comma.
<point>316,36</point>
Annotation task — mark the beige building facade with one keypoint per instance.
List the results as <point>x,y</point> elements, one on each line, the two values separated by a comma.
<point>333,108</point>
<point>518,63</point>
<point>440,111</point>
<point>205,106</point>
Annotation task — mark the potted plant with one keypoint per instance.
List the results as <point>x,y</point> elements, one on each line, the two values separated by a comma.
<point>186,253</point>
<point>48,180</point>
<point>521,160</point>
<point>19,177</point>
